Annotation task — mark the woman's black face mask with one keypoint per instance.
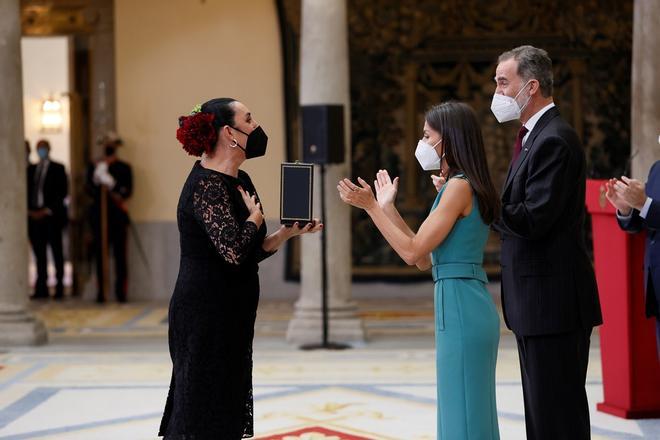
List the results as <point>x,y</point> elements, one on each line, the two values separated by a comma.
<point>256,143</point>
<point>110,150</point>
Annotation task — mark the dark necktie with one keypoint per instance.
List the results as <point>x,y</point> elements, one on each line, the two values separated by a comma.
<point>517,148</point>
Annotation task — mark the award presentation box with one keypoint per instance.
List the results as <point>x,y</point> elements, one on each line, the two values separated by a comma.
<point>296,193</point>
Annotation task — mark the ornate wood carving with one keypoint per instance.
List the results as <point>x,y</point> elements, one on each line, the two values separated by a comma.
<point>61,17</point>
<point>406,55</point>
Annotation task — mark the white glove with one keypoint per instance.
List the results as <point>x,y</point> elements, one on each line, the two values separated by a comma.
<point>102,176</point>
<point>101,168</point>
<point>107,180</point>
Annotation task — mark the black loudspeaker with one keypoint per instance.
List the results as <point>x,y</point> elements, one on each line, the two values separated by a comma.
<point>323,134</point>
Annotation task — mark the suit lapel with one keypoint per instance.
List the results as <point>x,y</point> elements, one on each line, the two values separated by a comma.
<point>527,147</point>
<point>653,183</point>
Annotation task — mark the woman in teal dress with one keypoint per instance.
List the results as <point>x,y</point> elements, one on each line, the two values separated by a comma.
<point>451,241</point>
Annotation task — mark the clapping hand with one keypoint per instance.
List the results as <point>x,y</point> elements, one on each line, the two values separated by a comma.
<point>358,196</point>
<point>614,198</point>
<point>438,181</point>
<point>386,188</point>
<point>632,191</point>
<point>625,194</point>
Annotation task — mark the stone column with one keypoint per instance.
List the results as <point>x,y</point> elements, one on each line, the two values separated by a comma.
<point>324,80</point>
<point>17,326</point>
<point>103,86</point>
<point>645,87</point>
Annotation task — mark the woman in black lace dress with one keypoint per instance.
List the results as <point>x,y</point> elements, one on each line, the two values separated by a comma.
<point>213,308</point>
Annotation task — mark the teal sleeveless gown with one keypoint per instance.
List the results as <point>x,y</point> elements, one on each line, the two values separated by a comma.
<point>467,332</point>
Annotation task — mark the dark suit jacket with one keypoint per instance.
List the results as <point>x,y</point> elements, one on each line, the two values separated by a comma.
<point>652,254</point>
<point>55,190</point>
<point>548,282</point>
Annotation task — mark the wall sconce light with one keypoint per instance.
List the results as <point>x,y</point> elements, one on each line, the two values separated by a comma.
<point>51,116</point>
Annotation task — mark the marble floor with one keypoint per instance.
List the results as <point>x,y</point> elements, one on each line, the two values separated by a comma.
<point>105,372</point>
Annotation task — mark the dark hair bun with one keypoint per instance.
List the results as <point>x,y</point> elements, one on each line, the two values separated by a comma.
<point>197,133</point>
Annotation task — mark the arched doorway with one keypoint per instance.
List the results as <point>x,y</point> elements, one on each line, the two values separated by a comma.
<point>83,33</point>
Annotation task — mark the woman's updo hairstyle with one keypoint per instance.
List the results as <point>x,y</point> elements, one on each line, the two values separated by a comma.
<point>198,132</point>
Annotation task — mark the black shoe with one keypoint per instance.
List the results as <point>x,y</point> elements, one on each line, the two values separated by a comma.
<point>40,292</point>
<point>59,292</point>
<point>100,299</point>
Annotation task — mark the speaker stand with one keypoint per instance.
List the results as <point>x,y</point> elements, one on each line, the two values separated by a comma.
<point>325,343</point>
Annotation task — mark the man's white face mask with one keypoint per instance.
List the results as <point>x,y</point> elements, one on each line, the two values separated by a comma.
<point>427,156</point>
<point>506,108</point>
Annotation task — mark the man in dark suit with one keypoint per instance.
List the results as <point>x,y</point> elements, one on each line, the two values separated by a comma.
<point>549,292</point>
<point>47,217</point>
<point>638,209</point>
<point>114,177</point>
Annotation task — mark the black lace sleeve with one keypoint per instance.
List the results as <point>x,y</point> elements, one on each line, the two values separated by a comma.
<point>261,254</point>
<point>212,208</point>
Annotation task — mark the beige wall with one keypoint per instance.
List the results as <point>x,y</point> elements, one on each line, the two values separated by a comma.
<point>171,55</point>
<point>46,74</point>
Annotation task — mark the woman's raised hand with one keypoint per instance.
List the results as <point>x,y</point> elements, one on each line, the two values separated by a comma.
<point>386,188</point>
<point>359,196</point>
<point>438,181</point>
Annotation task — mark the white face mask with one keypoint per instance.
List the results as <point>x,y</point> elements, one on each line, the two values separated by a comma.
<point>427,156</point>
<point>506,108</point>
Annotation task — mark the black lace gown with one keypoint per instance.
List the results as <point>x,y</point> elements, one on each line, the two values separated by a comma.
<point>212,311</point>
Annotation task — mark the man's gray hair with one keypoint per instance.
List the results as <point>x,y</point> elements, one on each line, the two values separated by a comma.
<point>533,63</point>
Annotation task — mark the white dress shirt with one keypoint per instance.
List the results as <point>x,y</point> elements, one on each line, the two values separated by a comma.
<point>642,213</point>
<point>40,177</point>
<point>529,125</point>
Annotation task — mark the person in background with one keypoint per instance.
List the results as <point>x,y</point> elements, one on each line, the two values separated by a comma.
<point>47,216</point>
<point>638,209</point>
<point>116,177</point>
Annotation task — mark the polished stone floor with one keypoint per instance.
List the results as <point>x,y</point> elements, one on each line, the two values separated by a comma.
<point>105,372</point>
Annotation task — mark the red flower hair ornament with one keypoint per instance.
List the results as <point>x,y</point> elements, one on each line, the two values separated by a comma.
<point>197,133</point>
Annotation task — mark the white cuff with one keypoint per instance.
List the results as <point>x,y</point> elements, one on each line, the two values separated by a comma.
<point>624,217</point>
<point>645,208</point>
